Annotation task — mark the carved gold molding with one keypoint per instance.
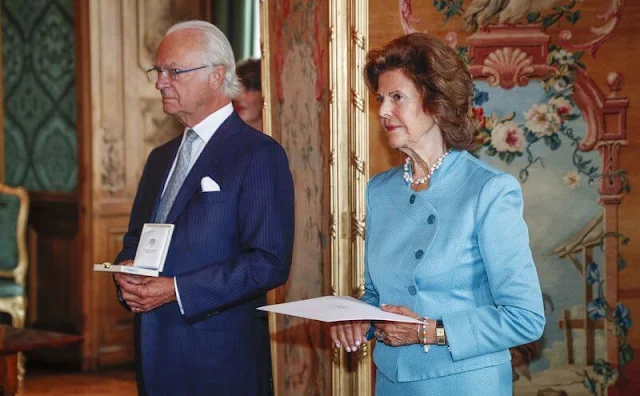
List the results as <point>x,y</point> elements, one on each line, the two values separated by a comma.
<point>339,168</point>
<point>267,128</point>
<point>351,375</point>
<point>359,134</point>
<point>265,62</point>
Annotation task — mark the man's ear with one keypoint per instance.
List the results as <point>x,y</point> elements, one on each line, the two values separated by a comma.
<point>216,77</point>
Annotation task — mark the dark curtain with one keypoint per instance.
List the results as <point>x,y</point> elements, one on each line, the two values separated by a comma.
<point>238,20</point>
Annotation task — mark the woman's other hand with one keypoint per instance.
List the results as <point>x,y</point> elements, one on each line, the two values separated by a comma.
<point>397,333</point>
<point>350,334</point>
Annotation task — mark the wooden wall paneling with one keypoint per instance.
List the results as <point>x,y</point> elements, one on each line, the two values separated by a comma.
<point>54,285</point>
<point>106,157</point>
<point>115,332</point>
<point>85,177</point>
<point>122,122</point>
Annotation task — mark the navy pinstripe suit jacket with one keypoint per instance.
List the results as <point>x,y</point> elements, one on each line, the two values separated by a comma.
<point>228,249</point>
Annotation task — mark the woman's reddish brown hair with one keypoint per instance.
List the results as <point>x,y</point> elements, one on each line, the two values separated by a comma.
<point>438,74</point>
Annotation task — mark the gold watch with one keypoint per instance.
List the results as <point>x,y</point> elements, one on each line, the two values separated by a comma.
<point>441,337</point>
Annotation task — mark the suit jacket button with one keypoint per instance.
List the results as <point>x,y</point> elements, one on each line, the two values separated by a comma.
<point>412,199</point>
<point>431,219</point>
<point>412,290</point>
<point>419,254</point>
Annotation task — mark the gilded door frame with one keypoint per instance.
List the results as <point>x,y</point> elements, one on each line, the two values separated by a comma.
<point>267,129</point>
<point>348,163</point>
<point>348,104</point>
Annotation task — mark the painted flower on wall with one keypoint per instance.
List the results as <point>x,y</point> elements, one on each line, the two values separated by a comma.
<point>561,106</point>
<point>508,137</point>
<point>622,316</point>
<point>572,179</point>
<point>597,308</point>
<point>562,57</point>
<point>542,119</point>
<point>593,274</point>
<point>478,113</point>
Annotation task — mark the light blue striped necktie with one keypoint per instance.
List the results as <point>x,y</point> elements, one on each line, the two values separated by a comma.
<point>177,177</point>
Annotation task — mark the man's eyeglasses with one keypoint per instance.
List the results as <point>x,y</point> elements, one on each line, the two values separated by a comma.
<point>154,74</point>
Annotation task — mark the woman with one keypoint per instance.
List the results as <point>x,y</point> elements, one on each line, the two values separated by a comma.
<point>248,104</point>
<point>446,240</point>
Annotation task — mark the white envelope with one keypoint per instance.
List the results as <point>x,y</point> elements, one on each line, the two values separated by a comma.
<point>209,185</point>
<point>335,309</point>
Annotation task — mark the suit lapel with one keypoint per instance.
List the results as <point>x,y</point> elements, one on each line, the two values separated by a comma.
<point>212,153</point>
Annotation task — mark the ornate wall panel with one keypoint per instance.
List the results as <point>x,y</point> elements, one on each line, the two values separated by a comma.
<point>39,95</point>
<point>297,94</point>
<point>124,124</point>
<point>551,103</point>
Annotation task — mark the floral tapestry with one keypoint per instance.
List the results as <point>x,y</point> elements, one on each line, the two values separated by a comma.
<point>543,119</point>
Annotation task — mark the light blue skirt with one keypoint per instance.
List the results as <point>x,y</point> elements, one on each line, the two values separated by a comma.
<point>488,381</point>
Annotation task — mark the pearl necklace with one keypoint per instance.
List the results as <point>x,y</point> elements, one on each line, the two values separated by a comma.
<point>408,177</point>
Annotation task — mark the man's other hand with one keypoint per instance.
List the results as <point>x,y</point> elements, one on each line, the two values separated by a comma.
<point>144,293</point>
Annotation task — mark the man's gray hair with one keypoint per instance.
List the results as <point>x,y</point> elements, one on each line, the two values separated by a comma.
<point>217,51</point>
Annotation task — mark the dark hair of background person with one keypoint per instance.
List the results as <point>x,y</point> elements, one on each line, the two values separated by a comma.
<point>248,71</point>
<point>440,76</point>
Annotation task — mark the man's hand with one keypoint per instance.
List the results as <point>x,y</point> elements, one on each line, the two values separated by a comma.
<point>134,279</point>
<point>144,293</point>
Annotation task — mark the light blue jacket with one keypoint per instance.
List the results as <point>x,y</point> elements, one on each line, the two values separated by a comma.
<point>458,251</point>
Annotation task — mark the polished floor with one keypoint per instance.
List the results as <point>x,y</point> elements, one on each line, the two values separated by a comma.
<point>46,382</point>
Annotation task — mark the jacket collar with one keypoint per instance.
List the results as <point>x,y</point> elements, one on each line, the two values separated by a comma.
<point>212,153</point>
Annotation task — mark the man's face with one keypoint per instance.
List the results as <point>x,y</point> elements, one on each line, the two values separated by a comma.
<point>187,95</point>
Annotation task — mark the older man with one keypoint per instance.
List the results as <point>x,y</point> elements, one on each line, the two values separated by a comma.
<point>228,190</point>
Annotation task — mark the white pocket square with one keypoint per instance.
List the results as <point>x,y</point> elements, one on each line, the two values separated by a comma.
<point>209,185</point>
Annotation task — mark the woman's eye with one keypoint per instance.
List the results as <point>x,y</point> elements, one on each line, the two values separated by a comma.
<point>396,97</point>
<point>379,99</point>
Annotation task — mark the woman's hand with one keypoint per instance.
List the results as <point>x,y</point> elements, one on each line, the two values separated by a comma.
<point>350,334</point>
<point>397,333</point>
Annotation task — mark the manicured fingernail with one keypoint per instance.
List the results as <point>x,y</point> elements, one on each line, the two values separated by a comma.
<point>364,339</point>
<point>348,349</point>
<point>383,305</point>
<point>337,345</point>
<point>357,343</point>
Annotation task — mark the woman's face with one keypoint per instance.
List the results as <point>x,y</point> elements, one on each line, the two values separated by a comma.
<point>248,105</point>
<point>402,116</point>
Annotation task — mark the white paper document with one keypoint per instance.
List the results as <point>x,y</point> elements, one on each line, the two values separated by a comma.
<point>335,309</point>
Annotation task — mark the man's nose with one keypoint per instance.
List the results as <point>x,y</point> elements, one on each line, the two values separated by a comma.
<point>163,81</point>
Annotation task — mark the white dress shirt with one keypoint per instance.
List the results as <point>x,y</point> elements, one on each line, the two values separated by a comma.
<point>205,130</point>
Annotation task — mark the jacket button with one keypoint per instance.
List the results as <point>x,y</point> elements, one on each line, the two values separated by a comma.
<point>419,254</point>
<point>412,290</point>
<point>431,219</point>
<point>412,199</point>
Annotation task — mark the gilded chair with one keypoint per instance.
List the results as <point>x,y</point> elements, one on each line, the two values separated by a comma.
<point>14,207</point>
